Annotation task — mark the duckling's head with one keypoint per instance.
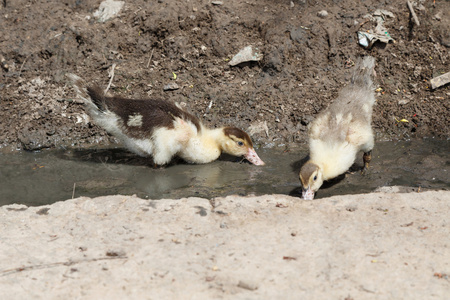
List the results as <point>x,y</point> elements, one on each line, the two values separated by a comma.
<point>237,142</point>
<point>311,178</point>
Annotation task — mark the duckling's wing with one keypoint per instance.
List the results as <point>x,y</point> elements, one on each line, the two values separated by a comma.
<point>140,118</point>
<point>330,127</point>
<point>349,117</point>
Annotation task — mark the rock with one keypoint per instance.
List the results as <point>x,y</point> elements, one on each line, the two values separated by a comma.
<point>274,60</point>
<point>247,285</point>
<point>417,71</point>
<point>322,14</point>
<point>108,9</point>
<point>171,86</point>
<point>438,16</point>
<point>305,120</point>
<point>298,34</point>
<point>445,40</point>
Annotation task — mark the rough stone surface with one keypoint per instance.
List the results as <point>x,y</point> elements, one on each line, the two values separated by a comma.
<point>373,246</point>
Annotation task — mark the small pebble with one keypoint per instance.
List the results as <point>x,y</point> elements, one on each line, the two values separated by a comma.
<point>247,285</point>
<point>322,13</point>
<point>114,253</point>
<point>438,16</point>
<point>171,86</point>
<point>43,211</point>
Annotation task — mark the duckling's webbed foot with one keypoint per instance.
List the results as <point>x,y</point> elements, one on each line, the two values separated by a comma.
<point>158,166</point>
<point>367,157</point>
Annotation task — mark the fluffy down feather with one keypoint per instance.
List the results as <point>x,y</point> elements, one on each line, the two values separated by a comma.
<point>341,131</point>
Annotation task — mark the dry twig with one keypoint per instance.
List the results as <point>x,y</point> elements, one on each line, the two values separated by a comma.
<point>111,74</point>
<point>73,191</point>
<point>56,264</point>
<point>413,14</point>
<point>150,59</point>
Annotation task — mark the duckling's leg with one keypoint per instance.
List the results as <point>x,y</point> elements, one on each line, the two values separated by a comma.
<point>166,145</point>
<point>367,157</point>
<point>162,155</point>
<point>156,166</point>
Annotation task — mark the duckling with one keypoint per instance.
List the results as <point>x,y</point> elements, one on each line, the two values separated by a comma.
<point>341,131</point>
<point>162,129</point>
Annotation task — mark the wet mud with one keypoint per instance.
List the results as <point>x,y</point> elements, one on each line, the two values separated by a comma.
<point>38,178</point>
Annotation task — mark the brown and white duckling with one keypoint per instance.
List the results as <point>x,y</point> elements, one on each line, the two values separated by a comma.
<point>162,129</point>
<point>341,131</point>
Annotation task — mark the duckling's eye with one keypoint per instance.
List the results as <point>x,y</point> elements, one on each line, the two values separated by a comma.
<point>315,178</point>
<point>240,143</point>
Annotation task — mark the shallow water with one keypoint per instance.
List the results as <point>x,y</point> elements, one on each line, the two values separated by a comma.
<point>45,177</point>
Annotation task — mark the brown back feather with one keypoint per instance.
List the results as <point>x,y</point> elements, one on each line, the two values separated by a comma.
<point>155,113</point>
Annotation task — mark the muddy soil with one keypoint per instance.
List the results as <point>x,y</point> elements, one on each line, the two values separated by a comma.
<point>306,60</point>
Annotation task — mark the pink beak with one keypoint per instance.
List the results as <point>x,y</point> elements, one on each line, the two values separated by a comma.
<point>252,157</point>
<point>308,194</point>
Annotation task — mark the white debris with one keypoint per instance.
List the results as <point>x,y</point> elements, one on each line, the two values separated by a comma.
<point>367,38</point>
<point>438,16</point>
<point>246,54</point>
<point>108,9</point>
<point>382,13</point>
<point>322,14</point>
<point>258,127</point>
<point>440,80</point>
<point>82,118</point>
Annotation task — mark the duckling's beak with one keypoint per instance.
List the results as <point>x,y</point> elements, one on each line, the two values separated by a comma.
<point>308,194</point>
<point>252,157</point>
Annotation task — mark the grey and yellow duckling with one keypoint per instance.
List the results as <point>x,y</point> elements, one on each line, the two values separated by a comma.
<point>341,131</point>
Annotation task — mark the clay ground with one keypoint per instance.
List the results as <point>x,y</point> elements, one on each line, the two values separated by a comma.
<point>373,246</point>
<point>306,61</point>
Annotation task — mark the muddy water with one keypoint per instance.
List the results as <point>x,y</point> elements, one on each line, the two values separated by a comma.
<point>49,176</point>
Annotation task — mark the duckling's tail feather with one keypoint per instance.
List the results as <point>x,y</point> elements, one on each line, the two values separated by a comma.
<point>91,96</point>
<point>97,97</point>
<point>363,71</point>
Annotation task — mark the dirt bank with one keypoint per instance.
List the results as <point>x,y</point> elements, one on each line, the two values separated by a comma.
<point>305,62</point>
